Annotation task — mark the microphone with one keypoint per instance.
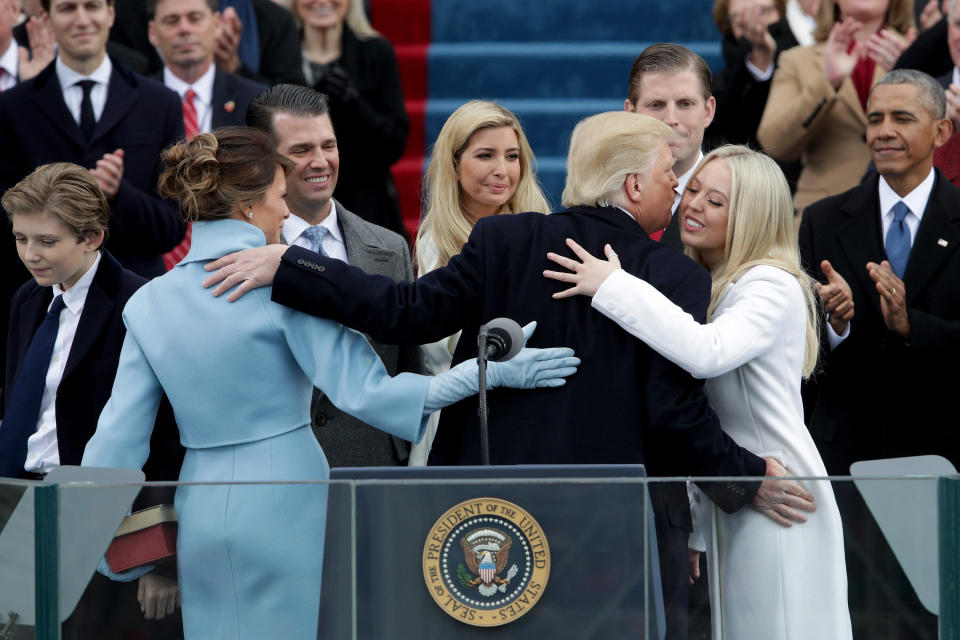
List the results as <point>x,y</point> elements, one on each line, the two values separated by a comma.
<point>498,340</point>
<point>504,339</point>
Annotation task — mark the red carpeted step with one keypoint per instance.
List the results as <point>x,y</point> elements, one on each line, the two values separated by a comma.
<point>406,23</point>
<point>407,175</point>
<point>402,21</point>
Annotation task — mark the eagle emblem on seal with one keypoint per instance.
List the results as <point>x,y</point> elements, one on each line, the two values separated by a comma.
<point>486,552</point>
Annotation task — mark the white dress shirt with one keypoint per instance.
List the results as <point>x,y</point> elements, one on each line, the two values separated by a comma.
<point>73,94</point>
<point>10,65</point>
<point>801,24</point>
<point>333,244</point>
<point>916,201</point>
<point>42,451</point>
<point>682,184</point>
<point>202,101</point>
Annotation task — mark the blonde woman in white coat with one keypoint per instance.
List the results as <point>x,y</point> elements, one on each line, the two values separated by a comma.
<point>767,581</point>
<point>481,165</point>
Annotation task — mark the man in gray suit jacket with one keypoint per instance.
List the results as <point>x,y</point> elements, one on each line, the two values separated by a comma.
<point>298,120</point>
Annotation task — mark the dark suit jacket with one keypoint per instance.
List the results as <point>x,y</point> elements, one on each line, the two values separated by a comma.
<point>346,441</point>
<point>231,95</point>
<point>277,32</point>
<point>929,52</point>
<point>371,125</point>
<point>878,395</point>
<point>625,405</point>
<point>91,365</point>
<point>141,117</point>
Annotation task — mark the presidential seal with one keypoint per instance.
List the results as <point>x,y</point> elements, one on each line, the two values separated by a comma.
<point>486,562</point>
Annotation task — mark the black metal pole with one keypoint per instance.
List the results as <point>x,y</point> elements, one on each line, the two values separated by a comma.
<point>482,366</point>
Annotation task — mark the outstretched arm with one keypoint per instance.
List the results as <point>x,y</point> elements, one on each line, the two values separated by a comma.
<point>122,439</point>
<point>748,326</point>
<point>436,305</point>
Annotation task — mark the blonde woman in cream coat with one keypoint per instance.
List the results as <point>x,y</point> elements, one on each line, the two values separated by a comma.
<point>481,165</point>
<point>767,581</point>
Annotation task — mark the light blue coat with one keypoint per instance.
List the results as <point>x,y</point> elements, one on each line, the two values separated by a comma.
<point>240,376</point>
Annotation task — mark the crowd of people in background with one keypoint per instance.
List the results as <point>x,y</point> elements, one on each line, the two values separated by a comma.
<point>786,229</point>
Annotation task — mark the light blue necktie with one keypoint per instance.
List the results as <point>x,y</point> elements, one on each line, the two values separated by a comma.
<point>315,235</point>
<point>897,242</point>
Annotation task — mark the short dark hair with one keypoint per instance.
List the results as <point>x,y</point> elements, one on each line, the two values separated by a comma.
<point>931,93</point>
<point>213,5</point>
<point>667,57</point>
<point>45,4</point>
<point>292,99</point>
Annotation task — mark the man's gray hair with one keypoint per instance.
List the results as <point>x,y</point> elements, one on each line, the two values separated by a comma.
<point>931,93</point>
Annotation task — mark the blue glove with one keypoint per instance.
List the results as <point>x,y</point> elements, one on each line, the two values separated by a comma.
<point>124,576</point>
<point>532,368</point>
<point>529,369</point>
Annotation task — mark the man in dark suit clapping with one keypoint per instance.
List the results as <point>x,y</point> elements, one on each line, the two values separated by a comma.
<point>89,109</point>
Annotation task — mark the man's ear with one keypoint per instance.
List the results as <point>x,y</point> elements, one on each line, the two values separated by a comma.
<point>633,187</point>
<point>711,107</point>
<point>942,130</point>
<point>151,34</point>
<point>629,106</point>
<point>93,240</point>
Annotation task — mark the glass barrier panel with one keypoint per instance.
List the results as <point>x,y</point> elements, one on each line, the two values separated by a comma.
<point>577,555</point>
<point>17,562</point>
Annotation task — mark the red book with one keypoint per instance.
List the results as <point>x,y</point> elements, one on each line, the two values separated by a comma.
<point>148,536</point>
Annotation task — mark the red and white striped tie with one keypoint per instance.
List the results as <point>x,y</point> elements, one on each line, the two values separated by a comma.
<point>190,123</point>
<point>191,128</point>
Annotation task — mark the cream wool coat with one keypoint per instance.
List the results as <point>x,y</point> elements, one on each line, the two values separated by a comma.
<point>767,581</point>
<point>807,119</point>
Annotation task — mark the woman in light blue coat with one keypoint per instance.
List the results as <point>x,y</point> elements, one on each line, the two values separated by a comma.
<point>239,376</point>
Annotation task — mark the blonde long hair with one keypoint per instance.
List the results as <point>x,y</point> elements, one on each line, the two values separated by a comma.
<point>446,225</point>
<point>760,231</point>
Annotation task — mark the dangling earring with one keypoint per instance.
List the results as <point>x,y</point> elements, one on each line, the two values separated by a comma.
<point>250,213</point>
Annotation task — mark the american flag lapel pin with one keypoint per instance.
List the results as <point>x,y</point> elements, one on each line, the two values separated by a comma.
<point>230,106</point>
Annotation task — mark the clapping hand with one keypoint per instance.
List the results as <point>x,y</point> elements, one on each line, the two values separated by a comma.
<point>109,173</point>
<point>41,51</point>
<point>930,14</point>
<point>836,298</point>
<point>228,41</point>
<point>532,368</point>
<point>885,46</point>
<point>588,275</point>
<point>753,22</point>
<point>893,297</point>
<point>336,84</point>
<point>838,59</point>
<point>953,105</point>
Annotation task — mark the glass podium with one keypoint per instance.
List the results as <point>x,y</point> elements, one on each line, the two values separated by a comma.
<point>564,552</point>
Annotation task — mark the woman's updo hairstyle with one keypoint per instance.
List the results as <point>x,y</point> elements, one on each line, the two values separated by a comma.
<point>212,173</point>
